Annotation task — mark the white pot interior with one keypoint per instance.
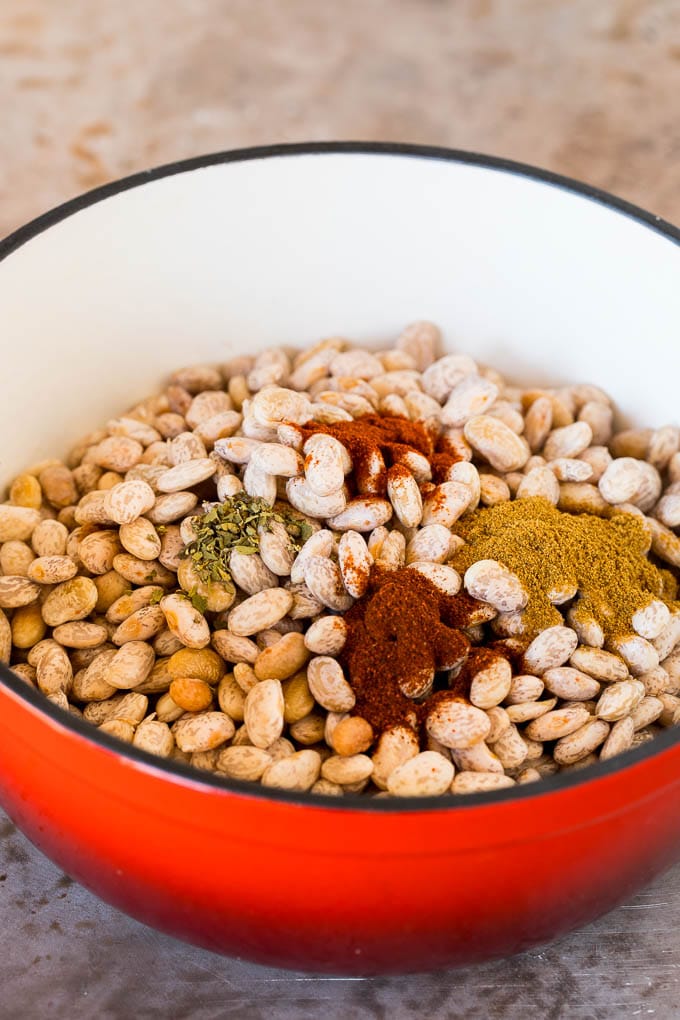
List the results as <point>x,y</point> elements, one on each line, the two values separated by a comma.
<point>545,284</point>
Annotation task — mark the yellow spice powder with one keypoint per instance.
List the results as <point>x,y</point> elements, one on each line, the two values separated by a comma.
<point>603,559</point>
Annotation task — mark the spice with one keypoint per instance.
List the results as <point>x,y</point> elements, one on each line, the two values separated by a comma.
<point>233,526</point>
<point>603,560</point>
<point>398,636</point>
<point>372,439</point>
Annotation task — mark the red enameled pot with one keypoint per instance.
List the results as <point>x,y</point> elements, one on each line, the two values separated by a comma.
<point>543,278</point>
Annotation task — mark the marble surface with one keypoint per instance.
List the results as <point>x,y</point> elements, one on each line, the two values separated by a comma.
<point>92,91</point>
<point>64,954</point>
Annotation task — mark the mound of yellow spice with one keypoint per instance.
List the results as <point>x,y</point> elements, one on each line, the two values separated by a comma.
<point>603,562</point>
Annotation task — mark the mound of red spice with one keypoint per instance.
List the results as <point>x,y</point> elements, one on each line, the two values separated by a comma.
<point>400,634</point>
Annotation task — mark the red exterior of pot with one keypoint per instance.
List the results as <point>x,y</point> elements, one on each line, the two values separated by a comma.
<point>331,888</point>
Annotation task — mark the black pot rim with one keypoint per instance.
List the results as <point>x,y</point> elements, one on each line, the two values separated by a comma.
<point>178,772</point>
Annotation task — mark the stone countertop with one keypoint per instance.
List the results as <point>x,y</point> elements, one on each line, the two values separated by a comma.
<point>65,954</point>
<point>92,92</point>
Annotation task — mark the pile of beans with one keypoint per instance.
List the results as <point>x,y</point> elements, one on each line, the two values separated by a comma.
<point>247,684</point>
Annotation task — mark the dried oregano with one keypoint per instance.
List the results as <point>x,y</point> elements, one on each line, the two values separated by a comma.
<point>232,526</point>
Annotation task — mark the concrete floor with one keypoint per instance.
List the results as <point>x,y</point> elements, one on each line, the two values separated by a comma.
<point>89,92</point>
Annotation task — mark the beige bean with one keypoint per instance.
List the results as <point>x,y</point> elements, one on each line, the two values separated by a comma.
<point>303,498</point>
<point>355,564</point>
<point>524,688</point>
<point>90,684</point>
<point>143,572</point>
<point>131,708</point>
<point>480,782</point>
<point>166,709</point>
<point>140,539</point>
<point>263,713</point>
<point>98,551</point>
<point>129,500</point>
<point>456,724</point>
<point>628,480</point>
<point>568,469</point>
<point>80,634</point>
<point>244,674</point>
<point>430,544</point>
<point>558,723</point>
<point>620,699</point>
<point>297,697</point>
<point>428,774</point>
<point>478,758</point>
<point>599,664</point>
<point>16,558</point>
<point>446,503</point>
<point>649,621</point>
<point>568,441</point>
<point>17,523</point>
<point>231,697</point>
<point>326,636</point>
<point>646,712</point>
<point>26,629</point>
<point>510,749</point>
<point>497,443</point>
<point>117,453</point>
<point>51,569</point>
<point>326,463</point>
<point>283,659</point>
<point>324,579</point>
<point>119,729</point>
<point>395,746</point>
<point>319,544</point>
<point>362,514</point>
<point>250,573</point>
<point>298,771</point>
<point>49,538</point>
<point>260,611</point>
<point>72,600</point>
<point>439,378</point>
<point>638,654</point>
<point>491,684</point>
<point>276,549</point>
<point>328,684</point>
<point>246,763</point>
<point>233,648</point>
<point>620,738</point>
<point>155,737</point>
<point>130,601</point>
<point>404,494</point>
<point>443,577</point>
<point>203,732</point>
<point>309,730</point>
<point>499,722</point>
<point>540,481</point>
<point>141,625</point>
<point>352,735</point>
<point>346,771</point>
<point>582,742</point>
<point>26,490</point>
<point>171,507</point>
<point>16,591</point>
<point>54,671</point>
<point>549,649</point>
<point>527,710</point>
<point>570,684</point>
<point>185,621</point>
<point>186,474</point>
<point>130,666</point>
<point>489,581</point>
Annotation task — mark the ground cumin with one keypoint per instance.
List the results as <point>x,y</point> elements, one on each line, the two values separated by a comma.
<point>604,559</point>
<point>403,630</point>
